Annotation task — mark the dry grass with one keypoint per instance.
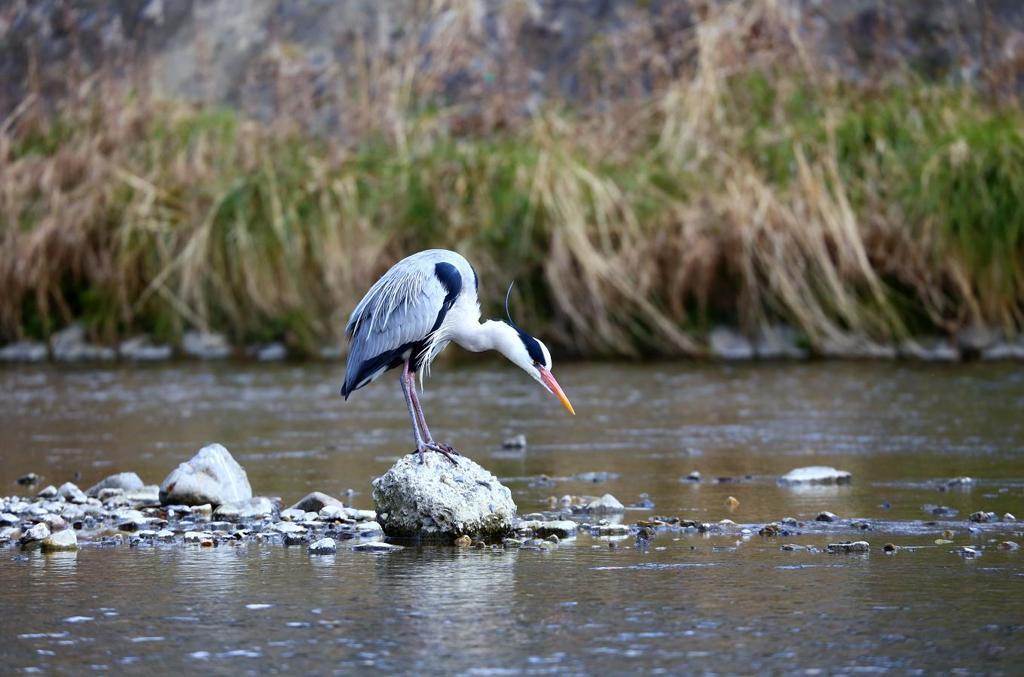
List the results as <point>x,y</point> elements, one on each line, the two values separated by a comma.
<point>753,189</point>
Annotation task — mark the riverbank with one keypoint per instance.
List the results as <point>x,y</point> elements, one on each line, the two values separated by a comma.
<point>753,189</point>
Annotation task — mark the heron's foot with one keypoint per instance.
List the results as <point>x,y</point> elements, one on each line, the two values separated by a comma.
<point>443,449</point>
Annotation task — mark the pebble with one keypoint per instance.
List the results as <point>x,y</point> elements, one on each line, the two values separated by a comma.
<point>36,532</point>
<point>325,546</point>
<point>940,510</point>
<point>982,516</point>
<point>826,516</point>
<point>124,481</point>
<point>70,492</point>
<point>560,528</point>
<point>605,505</point>
<point>890,548</point>
<point>692,477</point>
<point>1009,545</point>
<point>463,541</point>
<point>256,507</point>
<point>60,541</point>
<point>48,491</point>
<point>849,546</point>
<point>8,519</point>
<point>205,345</point>
<point>28,480</point>
<point>816,474</point>
<point>514,442</point>
<point>732,503</point>
<point>792,547</point>
<point>968,552</point>
<point>1008,517</point>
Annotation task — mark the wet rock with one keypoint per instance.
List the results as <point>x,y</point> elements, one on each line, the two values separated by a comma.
<point>511,543</point>
<point>438,500</point>
<point>975,339</point>
<point>325,546</point>
<point>256,507</point>
<point>890,548</point>
<point>142,349</point>
<point>644,503</point>
<point>288,528</point>
<point>315,502</point>
<point>148,495</point>
<point>728,344</point>
<point>816,474</point>
<point>605,505</point>
<point>940,510</point>
<point>271,352</point>
<point>60,541</point>
<point>9,519</point>
<point>826,516</point>
<point>856,348</point>
<point>35,533</point>
<point>514,442</point>
<point>71,493</point>
<point>1009,517</point>
<point>69,345</point>
<point>1009,545</point>
<point>968,551</point>
<point>560,528</point>
<point>131,520</point>
<point>731,502</point>
<point>596,477</point>
<point>55,522</point>
<point>982,516</point>
<point>9,534</point>
<point>211,476</point>
<point>779,343</point>
<point>293,514</point>
<point>24,351</point>
<point>376,546</point>
<point>1004,350</point>
<point>463,542</point>
<point>849,546</point>
<point>332,513</point>
<point>930,350</point>
<point>125,481</point>
<point>610,530</point>
<point>205,346</point>
<point>693,477</point>
<point>959,483</point>
<point>31,479</point>
<point>199,538</point>
<point>48,491</point>
<point>792,547</point>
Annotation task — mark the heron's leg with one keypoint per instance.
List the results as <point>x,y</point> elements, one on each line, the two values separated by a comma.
<point>431,444</point>
<point>408,380</point>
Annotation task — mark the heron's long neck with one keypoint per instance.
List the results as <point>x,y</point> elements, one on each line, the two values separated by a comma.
<point>477,336</point>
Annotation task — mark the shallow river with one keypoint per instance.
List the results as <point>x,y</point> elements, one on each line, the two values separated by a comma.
<point>684,604</point>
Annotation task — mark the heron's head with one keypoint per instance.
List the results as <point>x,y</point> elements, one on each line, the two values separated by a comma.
<point>530,355</point>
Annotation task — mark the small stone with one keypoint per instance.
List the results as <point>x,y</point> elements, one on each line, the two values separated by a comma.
<point>325,546</point>
<point>780,342</point>
<point>211,476</point>
<point>612,530</point>
<point>849,546</point>
<point>9,520</point>
<point>289,528</point>
<point>596,477</point>
<point>332,513</point>
<point>60,540</point>
<point>727,344</point>
<point>968,552</point>
<point>692,477</point>
<point>514,442</point>
<point>125,481</point>
<point>271,352</point>
<point>934,349</point>
<point>981,516</point>
<point>949,533</point>
<point>69,345</point>
<point>512,543</point>
<point>205,346</point>
<point>732,503</point>
<point>792,547</point>
<point>605,505</point>
<point>816,474</point>
<point>463,541</point>
<point>315,502</point>
<point>131,520</point>
<point>293,515</point>
<point>1009,517</point>
<point>142,349</point>
<point>769,530</point>
<point>256,507</point>
<point>890,548</point>
<point>1009,545</point>
<point>940,510</point>
<point>36,532</point>
<point>28,480</point>
<point>560,528</point>
<point>960,483</point>
<point>48,491</point>
<point>71,493</point>
<point>826,516</point>
<point>377,546</point>
<point>197,536</point>
<point>24,351</point>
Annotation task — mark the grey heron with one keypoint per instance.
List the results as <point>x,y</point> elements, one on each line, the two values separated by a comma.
<point>424,302</point>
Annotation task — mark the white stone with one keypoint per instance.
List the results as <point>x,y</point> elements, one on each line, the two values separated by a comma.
<point>211,476</point>
<point>325,546</point>
<point>727,344</point>
<point>65,539</point>
<point>816,474</point>
<point>142,349</point>
<point>607,504</point>
<point>205,346</point>
<point>24,351</point>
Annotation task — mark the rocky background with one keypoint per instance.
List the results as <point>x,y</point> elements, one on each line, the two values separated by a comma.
<point>529,51</point>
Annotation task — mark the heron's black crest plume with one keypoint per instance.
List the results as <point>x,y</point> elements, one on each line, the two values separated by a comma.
<point>508,295</point>
<point>531,344</point>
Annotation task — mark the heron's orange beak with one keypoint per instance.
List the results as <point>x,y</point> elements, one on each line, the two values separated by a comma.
<point>556,390</point>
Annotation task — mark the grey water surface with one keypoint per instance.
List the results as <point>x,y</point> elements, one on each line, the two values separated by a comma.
<point>685,603</point>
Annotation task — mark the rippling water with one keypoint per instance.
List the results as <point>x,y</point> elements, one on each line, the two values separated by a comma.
<point>685,604</point>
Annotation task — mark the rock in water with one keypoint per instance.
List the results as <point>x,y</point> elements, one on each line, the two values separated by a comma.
<point>127,481</point>
<point>439,501</point>
<point>816,474</point>
<point>211,476</point>
<point>60,540</point>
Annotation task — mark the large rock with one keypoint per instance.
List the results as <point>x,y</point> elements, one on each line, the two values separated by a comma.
<point>439,501</point>
<point>315,501</point>
<point>211,476</point>
<point>58,541</point>
<point>816,474</point>
<point>128,481</point>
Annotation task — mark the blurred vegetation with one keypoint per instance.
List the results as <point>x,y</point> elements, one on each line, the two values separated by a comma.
<point>752,190</point>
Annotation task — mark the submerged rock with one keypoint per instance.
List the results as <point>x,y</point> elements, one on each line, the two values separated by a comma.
<point>125,481</point>
<point>376,546</point>
<point>816,474</point>
<point>826,516</point>
<point>60,540</point>
<point>211,476</point>
<point>940,510</point>
<point>70,492</point>
<point>439,500</point>
<point>560,528</point>
<point>514,442</point>
<point>28,480</point>
<point>849,546</point>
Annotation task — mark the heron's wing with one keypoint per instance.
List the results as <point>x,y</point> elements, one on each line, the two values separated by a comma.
<point>399,311</point>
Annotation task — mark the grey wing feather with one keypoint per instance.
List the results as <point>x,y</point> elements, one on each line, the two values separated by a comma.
<point>400,308</point>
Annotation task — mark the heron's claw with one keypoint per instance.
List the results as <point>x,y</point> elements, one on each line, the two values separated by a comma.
<point>445,450</point>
